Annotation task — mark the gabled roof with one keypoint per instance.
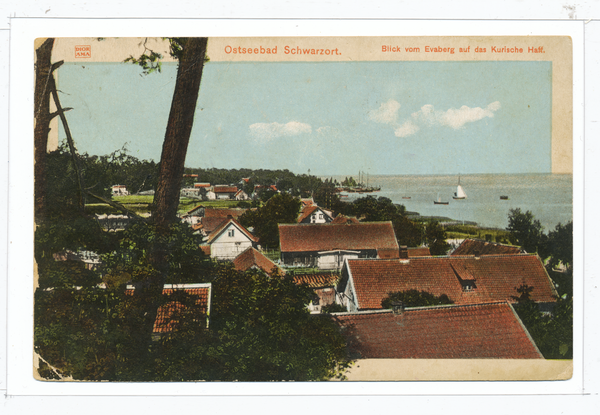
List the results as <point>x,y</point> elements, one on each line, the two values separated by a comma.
<point>478,247</point>
<point>225,189</point>
<point>166,316</point>
<point>341,219</point>
<point>192,210</point>
<point>328,237</point>
<point>309,210</point>
<point>231,222</point>
<point>480,331</point>
<point>209,224</point>
<point>495,277</point>
<point>317,280</point>
<point>253,258</point>
<point>223,212</point>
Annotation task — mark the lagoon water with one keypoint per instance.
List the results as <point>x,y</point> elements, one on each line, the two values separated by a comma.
<point>548,196</point>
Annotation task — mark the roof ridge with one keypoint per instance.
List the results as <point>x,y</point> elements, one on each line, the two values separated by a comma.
<point>422,308</point>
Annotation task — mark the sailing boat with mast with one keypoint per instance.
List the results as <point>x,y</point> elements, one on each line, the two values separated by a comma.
<point>460,192</point>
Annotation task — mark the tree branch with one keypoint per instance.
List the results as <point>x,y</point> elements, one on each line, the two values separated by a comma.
<point>61,113</point>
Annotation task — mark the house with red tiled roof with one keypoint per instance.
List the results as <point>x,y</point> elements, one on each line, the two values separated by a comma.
<point>229,240</point>
<point>169,314</point>
<point>315,214</point>
<point>323,286</point>
<point>225,192</point>
<point>465,280</point>
<point>474,331</point>
<point>478,247</point>
<point>420,251</point>
<point>254,259</point>
<point>326,246</point>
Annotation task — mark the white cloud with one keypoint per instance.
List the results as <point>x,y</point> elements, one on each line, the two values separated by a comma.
<point>406,129</point>
<point>386,113</point>
<point>273,130</point>
<point>327,130</point>
<point>454,118</point>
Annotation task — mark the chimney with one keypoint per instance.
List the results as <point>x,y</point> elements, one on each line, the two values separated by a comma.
<point>403,252</point>
<point>397,308</point>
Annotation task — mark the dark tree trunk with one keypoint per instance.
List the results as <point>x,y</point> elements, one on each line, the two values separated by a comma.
<point>179,128</point>
<point>43,69</point>
<point>170,176</point>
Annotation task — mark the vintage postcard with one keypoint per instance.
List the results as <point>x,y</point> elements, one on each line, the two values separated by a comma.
<point>303,209</point>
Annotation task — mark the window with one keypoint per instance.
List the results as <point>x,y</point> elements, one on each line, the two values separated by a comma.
<point>320,216</point>
<point>230,232</point>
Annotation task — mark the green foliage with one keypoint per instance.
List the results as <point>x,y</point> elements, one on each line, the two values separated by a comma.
<point>552,332</point>
<point>281,208</point>
<point>525,231</point>
<point>131,261</point>
<point>435,235</point>
<point>558,246</point>
<point>415,298</point>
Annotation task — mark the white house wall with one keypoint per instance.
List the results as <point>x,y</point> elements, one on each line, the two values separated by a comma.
<point>229,247</point>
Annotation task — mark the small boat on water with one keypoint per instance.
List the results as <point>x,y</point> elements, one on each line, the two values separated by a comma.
<point>503,197</point>
<point>460,192</point>
<point>439,201</point>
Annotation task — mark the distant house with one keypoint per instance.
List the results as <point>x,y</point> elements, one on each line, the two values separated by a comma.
<point>113,222</point>
<point>168,315</point>
<point>465,280</point>
<point>189,192</point>
<point>119,190</point>
<point>307,202</point>
<point>258,189</point>
<point>326,246</point>
<point>90,259</point>
<point>201,186</point>
<point>323,285</point>
<point>223,212</point>
<point>229,240</point>
<point>478,331</point>
<point>314,214</point>
<point>254,259</point>
<point>225,192</point>
<point>194,176</point>
<point>479,247</point>
<point>241,195</point>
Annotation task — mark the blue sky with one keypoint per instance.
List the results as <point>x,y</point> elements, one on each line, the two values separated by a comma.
<point>332,118</point>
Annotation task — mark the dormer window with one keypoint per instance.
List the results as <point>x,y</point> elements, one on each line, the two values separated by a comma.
<point>468,285</point>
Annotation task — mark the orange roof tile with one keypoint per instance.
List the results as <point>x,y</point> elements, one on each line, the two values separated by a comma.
<point>481,331</point>
<point>225,189</point>
<point>496,278</point>
<point>479,247</point>
<point>209,224</point>
<point>328,237</point>
<point>167,314</point>
<point>253,258</point>
<point>317,280</point>
<point>421,251</point>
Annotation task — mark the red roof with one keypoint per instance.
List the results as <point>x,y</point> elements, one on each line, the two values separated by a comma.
<point>341,219</point>
<point>205,249</point>
<point>223,213</point>
<point>317,280</point>
<point>421,251</point>
<point>200,185</point>
<point>328,237</point>
<point>166,316</point>
<point>481,331</point>
<point>225,189</point>
<point>209,224</point>
<point>478,247</point>
<point>214,234</point>
<point>253,258</point>
<point>496,278</point>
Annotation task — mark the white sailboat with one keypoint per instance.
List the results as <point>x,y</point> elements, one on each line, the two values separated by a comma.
<point>460,192</point>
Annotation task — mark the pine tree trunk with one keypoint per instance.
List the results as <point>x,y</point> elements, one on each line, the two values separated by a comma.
<point>43,69</point>
<point>179,128</point>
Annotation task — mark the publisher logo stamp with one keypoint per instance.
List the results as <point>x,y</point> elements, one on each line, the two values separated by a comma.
<point>83,51</point>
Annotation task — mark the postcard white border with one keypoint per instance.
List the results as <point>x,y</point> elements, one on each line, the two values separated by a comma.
<point>20,288</point>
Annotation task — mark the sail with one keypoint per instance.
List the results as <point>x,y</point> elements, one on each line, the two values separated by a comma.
<point>460,192</point>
